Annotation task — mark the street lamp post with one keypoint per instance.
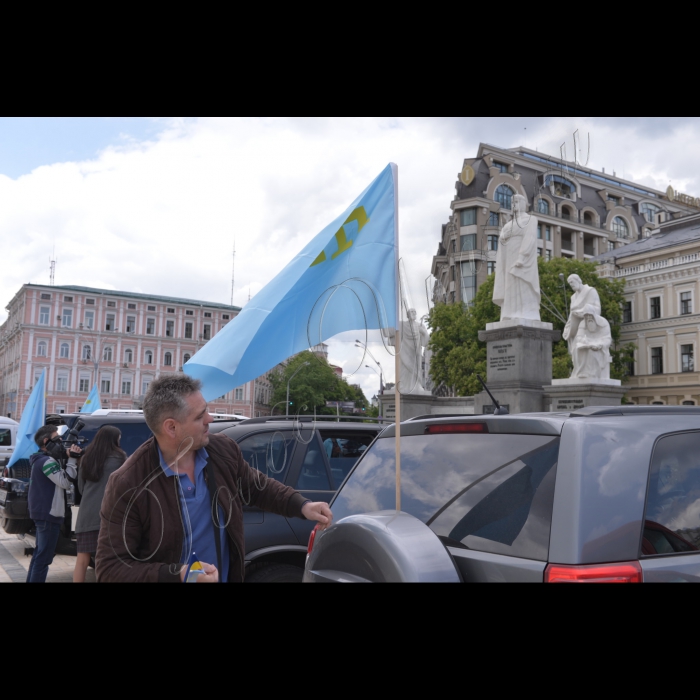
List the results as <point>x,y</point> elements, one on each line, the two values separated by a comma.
<point>381,379</point>
<point>374,359</point>
<point>306,364</point>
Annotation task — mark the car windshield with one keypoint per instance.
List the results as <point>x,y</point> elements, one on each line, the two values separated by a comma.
<point>485,492</point>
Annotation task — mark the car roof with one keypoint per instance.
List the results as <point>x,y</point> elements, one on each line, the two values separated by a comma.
<point>8,421</point>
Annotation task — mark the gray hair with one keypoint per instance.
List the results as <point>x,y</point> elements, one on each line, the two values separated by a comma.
<point>167,398</point>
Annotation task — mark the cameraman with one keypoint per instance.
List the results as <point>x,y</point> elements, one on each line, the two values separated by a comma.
<point>47,503</point>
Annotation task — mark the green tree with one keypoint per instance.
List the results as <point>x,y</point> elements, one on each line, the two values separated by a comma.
<point>459,355</point>
<point>312,387</point>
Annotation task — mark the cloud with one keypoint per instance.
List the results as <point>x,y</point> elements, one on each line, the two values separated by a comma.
<point>160,216</point>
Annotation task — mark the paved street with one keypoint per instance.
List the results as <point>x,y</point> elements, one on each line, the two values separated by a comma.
<point>14,564</point>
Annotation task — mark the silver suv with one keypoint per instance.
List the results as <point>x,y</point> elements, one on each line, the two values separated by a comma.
<point>600,495</point>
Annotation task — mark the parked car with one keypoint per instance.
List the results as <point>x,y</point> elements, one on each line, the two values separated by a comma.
<point>8,439</point>
<point>598,495</point>
<point>312,457</point>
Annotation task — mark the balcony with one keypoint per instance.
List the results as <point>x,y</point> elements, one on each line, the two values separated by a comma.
<point>608,270</point>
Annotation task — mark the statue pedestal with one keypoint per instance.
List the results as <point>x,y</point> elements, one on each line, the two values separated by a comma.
<point>566,395</point>
<point>415,405</point>
<point>519,362</point>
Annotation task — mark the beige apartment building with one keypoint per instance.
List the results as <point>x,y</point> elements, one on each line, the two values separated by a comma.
<point>120,341</point>
<point>661,315</point>
<point>582,214</point>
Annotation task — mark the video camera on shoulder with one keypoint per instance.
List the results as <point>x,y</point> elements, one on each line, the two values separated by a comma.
<point>67,438</point>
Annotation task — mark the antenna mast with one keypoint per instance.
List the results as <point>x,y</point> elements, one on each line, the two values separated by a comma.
<point>52,260</point>
<point>233,273</point>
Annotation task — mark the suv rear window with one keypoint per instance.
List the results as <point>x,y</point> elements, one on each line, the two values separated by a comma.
<point>672,521</point>
<point>133,435</point>
<point>489,493</point>
<point>5,438</point>
<point>270,453</point>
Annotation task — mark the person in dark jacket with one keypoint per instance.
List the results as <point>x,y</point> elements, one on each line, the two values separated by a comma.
<point>158,511</point>
<point>47,501</point>
<point>101,459</point>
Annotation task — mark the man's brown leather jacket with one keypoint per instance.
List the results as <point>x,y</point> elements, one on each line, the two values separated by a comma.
<point>142,532</point>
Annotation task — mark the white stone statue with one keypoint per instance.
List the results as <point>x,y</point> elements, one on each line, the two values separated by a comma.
<point>588,334</point>
<point>517,286</point>
<point>414,337</point>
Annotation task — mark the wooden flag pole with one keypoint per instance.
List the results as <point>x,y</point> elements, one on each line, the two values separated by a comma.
<point>397,337</point>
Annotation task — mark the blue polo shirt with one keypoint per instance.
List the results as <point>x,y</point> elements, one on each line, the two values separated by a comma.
<point>195,504</point>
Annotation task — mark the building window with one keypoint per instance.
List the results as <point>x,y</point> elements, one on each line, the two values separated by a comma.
<point>68,300</point>
<point>468,217</point>
<point>687,358</point>
<point>87,352</point>
<point>689,403</point>
<point>131,324</point>
<point>657,360</point>
<point>189,312</point>
<point>493,243</point>
<point>454,245</point>
<point>44,315</point>
<point>655,307</point>
<point>110,322</point>
<point>46,297</point>
<point>686,303</point>
<point>89,320</point>
<point>540,252</point>
<point>226,317</point>
<point>106,386</point>
<point>171,311</point>
<point>548,233</point>
<point>144,386</point>
<point>170,329</point>
<point>543,207</point>
<point>627,312</point>
<point>148,357</point>
<point>207,314</point>
<point>168,359</point>
<point>503,168</point>
<point>468,283</point>
<point>239,394</point>
<point>41,349</point>
<point>468,243</point>
<point>207,332</point>
<point>630,369</point>
<point>504,196</point>
<point>562,187</point>
<point>539,232</point>
<point>67,318</point>
<point>112,304</point>
<point>495,219</point>
<point>65,351</point>
<point>151,308</point>
<point>649,211</point>
<point>90,302</point>
<point>614,200</point>
<point>611,246</point>
<point>128,356</point>
<point>126,387</point>
<point>107,355</point>
<point>62,383</point>
<point>491,267</point>
<point>548,255</point>
<point>84,385</point>
<point>620,227</point>
<point>131,307</point>
<point>188,331</point>
<point>150,326</point>
<point>186,359</point>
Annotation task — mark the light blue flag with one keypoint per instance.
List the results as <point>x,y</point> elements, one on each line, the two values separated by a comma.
<point>93,402</point>
<point>344,280</point>
<point>33,418</point>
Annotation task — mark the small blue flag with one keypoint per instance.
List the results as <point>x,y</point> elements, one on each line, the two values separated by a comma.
<point>33,418</point>
<point>344,280</point>
<point>93,402</point>
<point>194,569</point>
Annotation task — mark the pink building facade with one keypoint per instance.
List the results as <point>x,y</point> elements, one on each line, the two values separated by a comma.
<point>118,340</point>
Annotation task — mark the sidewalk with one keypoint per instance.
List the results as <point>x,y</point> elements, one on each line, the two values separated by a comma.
<point>14,564</point>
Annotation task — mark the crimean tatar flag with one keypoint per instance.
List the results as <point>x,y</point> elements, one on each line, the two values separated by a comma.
<point>93,402</point>
<point>33,418</point>
<point>344,280</point>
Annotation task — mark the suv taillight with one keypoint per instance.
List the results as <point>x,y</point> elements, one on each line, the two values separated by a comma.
<point>312,539</point>
<point>627,572</point>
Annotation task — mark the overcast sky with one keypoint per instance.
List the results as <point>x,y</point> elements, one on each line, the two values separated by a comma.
<point>153,205</point>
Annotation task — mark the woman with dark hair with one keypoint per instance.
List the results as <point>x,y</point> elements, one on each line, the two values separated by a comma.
<point>101,459</point>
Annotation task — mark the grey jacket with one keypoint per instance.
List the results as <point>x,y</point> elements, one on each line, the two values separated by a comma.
<point>93,493</point>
